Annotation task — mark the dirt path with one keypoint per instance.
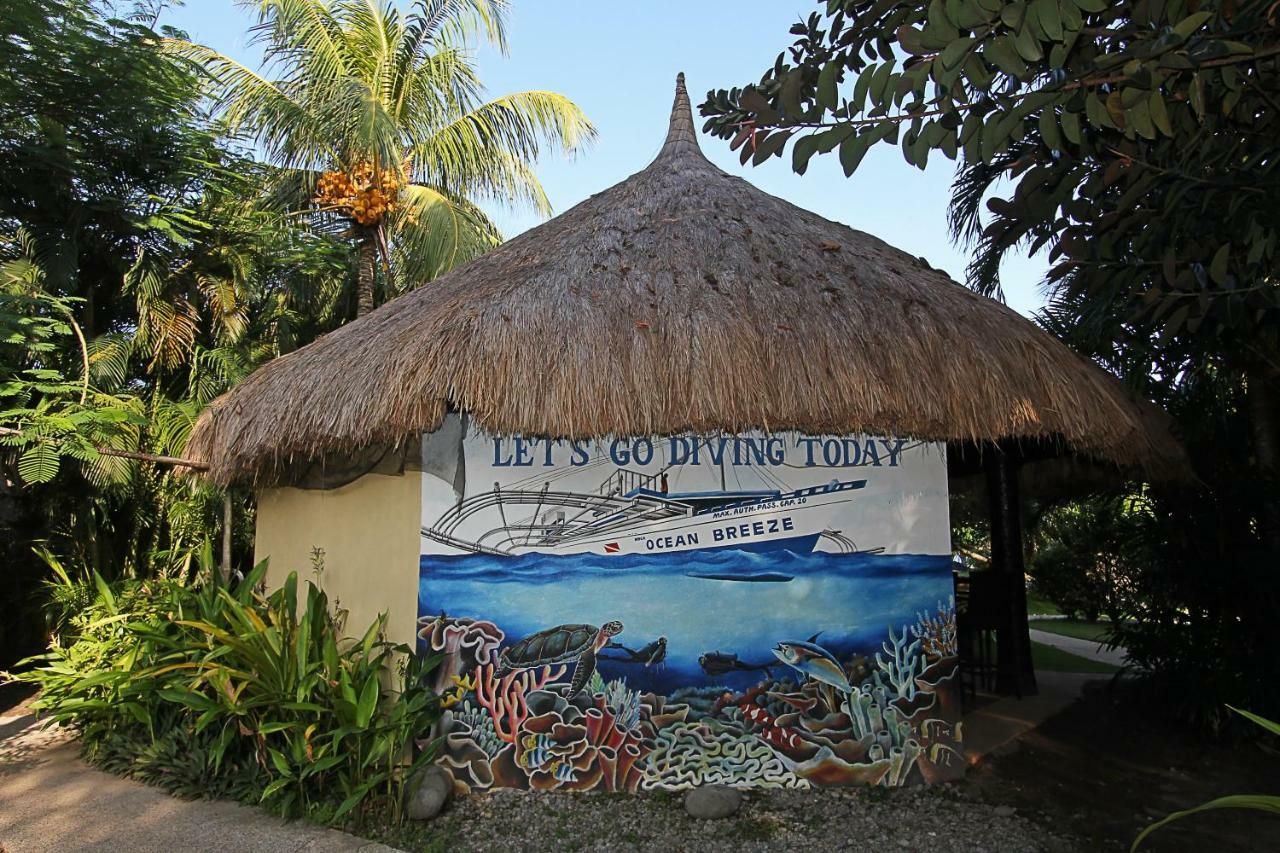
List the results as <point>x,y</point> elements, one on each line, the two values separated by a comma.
<point>50,800</point>
<point>1104,769</point>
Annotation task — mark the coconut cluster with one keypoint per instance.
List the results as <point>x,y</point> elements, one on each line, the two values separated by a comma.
<point>363,193</point>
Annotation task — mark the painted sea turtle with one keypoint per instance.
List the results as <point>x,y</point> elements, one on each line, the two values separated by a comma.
<point>557,645</point>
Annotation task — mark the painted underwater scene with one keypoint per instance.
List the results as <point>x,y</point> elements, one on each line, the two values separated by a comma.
<point>627,672</point>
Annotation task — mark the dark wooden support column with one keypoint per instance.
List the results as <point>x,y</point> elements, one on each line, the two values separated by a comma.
<point>1015,673</point>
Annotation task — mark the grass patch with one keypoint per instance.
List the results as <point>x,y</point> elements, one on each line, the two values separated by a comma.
<point>1049,659</point>
<point>1037,606</point>
<point>1098,631</point>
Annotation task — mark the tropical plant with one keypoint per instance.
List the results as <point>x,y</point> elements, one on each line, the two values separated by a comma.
<point>376,119</point>
<point>209,690</point>
<point>46,416</point>
<point>1259,802</point>
<point>1102,578</point>
<point>143,274</point>
<point>1133,142</point>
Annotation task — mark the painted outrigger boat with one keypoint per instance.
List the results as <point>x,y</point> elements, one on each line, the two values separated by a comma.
<point>632,514</point>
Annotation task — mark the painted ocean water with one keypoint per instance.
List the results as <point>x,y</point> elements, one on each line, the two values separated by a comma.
<point>848,600</point>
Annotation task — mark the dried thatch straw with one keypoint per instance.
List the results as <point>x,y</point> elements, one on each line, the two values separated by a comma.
<point>682,299</point>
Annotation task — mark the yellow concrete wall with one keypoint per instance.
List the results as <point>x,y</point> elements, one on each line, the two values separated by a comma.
<point>369,530</point>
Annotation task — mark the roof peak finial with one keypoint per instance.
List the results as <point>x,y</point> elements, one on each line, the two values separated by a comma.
<point>681,136</point>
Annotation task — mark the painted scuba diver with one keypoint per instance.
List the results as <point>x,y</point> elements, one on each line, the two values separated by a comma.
<point>654,654</point>
<point>719,663</point>
<point>578,643</point>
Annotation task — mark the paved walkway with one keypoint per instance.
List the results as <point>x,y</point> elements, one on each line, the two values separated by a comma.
<point>995,726</point>
<point>1090,649</point>
<point>50,800</point>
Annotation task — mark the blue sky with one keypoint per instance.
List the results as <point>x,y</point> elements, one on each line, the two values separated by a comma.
<point>618,61</point>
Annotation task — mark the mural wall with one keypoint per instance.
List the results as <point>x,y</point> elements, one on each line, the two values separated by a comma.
<point>663,613</point>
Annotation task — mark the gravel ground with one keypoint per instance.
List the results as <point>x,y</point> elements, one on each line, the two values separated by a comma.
<point>937,819</point>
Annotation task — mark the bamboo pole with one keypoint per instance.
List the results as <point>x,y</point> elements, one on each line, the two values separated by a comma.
<point>176,461</point>
<point>226,537</point>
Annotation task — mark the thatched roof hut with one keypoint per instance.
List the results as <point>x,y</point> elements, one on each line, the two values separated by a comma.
<point>683,299</point>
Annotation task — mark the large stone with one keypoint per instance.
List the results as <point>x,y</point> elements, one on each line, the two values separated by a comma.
<point>434,785</point>
<point>712,802</point>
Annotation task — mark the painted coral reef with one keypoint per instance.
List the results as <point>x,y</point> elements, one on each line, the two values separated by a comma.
<point>891,720</point>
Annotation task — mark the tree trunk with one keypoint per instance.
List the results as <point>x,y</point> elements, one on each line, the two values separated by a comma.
<point>1265,429</point>
<point>1014,670</point>
<point>368,250</point>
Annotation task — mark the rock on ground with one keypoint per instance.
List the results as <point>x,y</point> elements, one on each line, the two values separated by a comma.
<point>712,802</point>
<point>434,786</point>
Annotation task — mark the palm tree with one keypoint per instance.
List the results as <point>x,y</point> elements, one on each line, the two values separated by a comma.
<point>376,123</point>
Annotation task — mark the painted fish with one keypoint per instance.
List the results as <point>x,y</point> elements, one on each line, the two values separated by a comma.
<point>814,661</point>
<point>537,751</point>
<point>564,771</point>
<point>769,728</point>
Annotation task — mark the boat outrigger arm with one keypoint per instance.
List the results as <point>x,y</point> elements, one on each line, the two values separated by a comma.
<point>574,521</point>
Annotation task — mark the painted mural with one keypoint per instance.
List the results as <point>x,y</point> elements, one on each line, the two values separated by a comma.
<point>662,613</point>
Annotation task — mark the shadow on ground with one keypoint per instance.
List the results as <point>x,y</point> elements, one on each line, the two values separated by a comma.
<point>1109,765</point>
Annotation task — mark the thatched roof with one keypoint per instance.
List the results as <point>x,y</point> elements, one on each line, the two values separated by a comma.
<point>682,299</point>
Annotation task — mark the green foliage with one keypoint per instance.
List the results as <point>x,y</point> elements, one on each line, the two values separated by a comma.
<point>1258,802</point>
<point>1136,137</point>
<point>349,83</point>
<point>1133,141</point>
<point>1087,552</point>
<point>211,691</point>
<point>143,273</point>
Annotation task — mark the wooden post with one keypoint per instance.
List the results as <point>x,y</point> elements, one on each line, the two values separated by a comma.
<point>1015,673</point>
<point>226,537</point>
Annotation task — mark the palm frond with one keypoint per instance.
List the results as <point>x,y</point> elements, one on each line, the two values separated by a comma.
<point>434,232</point>
<point>474,153</point>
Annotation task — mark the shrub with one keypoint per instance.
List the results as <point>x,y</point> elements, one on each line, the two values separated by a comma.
<point>212,691</point>
<point>1089,554</point>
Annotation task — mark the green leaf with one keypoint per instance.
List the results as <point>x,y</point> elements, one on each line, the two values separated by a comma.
<point>1049,129</point>
<point>1258,802</point>
<point>368,701</point>
<point>954,54</point>
<point>909,38</point>
<point>1191,23</point>
<point>39,463</point>
<point>1218,266</point>
<point>1159,113</point>
<point>863,86</point>
<point>1270,726</point>
<point>1070,127</point>
<point>1001,53</point>
<point>852,150</point>
<point>1046,13</point>
<point>271,789</point>
<point>281,763</point>
<point>1013,14</point>
<point>827,96</point>
<point>771,144</point>
<point>880,83</point>
<point>1028,45</point>
<point>802,152</point>
<point>940,22</point>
